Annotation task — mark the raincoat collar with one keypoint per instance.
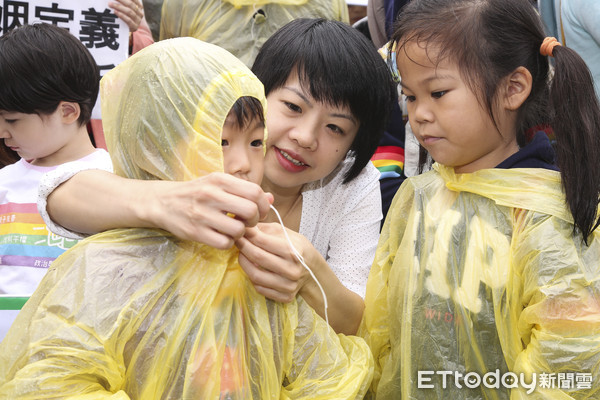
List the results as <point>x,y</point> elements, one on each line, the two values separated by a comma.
<point>534,189</point>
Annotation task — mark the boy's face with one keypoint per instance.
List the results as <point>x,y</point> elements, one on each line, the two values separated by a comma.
<point>243,155</point>
<point>32,136</point>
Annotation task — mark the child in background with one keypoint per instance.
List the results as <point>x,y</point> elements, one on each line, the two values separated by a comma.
<point>141,314</point>
<point>49,86</point>
<point>490,263</point>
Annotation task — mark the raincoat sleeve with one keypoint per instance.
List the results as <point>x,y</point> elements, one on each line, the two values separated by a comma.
<point>50,349</point>
<point>316,372</point>
<point>560,322</point>
<point>375,326</point>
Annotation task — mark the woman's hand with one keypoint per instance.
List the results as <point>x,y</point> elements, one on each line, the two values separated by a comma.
<point>267,259</point>
<point>215,209</point>
<point>130,11</point>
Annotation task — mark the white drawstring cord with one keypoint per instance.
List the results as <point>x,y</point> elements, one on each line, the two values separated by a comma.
<point>301,259</point>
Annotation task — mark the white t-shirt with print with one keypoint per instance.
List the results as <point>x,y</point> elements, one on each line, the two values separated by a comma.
<point>27,247</point>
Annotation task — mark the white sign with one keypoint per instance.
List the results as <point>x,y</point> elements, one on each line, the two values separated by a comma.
<point>91,21</point>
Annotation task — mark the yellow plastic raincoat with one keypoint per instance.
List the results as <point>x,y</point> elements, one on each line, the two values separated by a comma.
<point>140,314</point>
<point>481,274</point>
<point>241,26</point>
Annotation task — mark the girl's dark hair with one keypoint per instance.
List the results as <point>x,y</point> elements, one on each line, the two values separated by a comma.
<point>489,39</point>
<point>42,65</point>
<point>338,66</point>
<point>246,109</point>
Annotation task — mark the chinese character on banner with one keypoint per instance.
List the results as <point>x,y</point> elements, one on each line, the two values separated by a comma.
<point>54,15</point>
<point>14,13</point>
<point>99,29</point>
<point>104,34</point>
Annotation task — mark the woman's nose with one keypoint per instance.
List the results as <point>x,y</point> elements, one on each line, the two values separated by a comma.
<point>305,135</point>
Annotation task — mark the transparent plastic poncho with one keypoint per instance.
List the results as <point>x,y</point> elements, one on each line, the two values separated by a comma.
<point>241,26</point>
<point>481,274</point>
<point>140,314</point>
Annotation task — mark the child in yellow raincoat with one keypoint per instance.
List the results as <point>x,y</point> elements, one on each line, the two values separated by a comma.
<point>140,314</point>
<point>241,26</point>
<point>486,282</point>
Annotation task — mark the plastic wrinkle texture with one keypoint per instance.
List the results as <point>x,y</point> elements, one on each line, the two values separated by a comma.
<point>235,25</point>
<point>480,273</point>
<point>141,314</point>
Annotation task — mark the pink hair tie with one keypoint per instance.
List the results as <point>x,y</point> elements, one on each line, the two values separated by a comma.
<point>548,45</point>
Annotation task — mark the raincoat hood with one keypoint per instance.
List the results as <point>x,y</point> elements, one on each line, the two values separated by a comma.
<point>164,108</point>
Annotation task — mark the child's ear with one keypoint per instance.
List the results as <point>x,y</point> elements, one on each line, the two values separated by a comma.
<point>69,111</point>
<point>517,88</point>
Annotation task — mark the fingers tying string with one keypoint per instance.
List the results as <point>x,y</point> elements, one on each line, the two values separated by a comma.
<point>301,260</point>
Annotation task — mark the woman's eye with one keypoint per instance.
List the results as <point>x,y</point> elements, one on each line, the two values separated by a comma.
<point>224,142</point>
<point>336,129</point>
<point>10,121</point>
<point>293,107</point>
<point>437,95</point>
<point>257,143</point>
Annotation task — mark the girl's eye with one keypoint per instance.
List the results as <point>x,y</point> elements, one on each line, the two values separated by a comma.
<point>437,95</point>
<point>257,143</point>
<point>409,98</point>
<point>293,107</point>
<point>224,142</point>
<point>10,121</point>
<point>336,129</point>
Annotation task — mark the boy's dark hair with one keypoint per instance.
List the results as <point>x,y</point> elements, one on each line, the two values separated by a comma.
<point>42,65</point>
<point>246,109</point>
<point>7,156</point>
<point>489,39</point>
<point>338,66</point>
